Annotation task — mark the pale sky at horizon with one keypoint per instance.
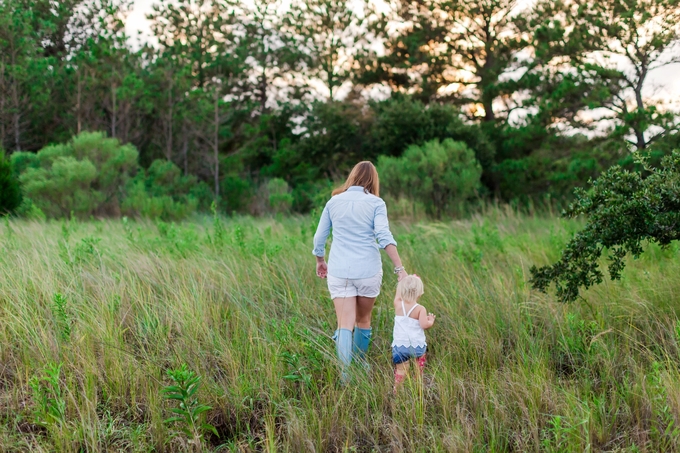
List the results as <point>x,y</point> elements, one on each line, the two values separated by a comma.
<point>662,83</point>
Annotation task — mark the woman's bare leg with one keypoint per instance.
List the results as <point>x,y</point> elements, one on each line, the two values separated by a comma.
<point>364,311</point>
<point>346,311</point>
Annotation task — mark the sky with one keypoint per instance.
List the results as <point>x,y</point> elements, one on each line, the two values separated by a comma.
<point>663,83</point>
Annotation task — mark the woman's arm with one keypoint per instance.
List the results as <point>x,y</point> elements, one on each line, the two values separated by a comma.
<point>384,236</point>
<point>391,251</point>
<point>322,232</point>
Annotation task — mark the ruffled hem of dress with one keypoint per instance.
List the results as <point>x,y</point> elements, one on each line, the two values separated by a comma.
<point>409,345</point>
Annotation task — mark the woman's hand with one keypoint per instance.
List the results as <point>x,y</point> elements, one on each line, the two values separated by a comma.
<point>321,268</point>
<point>401,274</point>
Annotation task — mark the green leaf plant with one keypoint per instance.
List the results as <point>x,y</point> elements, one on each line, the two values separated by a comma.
<point>189,410</point>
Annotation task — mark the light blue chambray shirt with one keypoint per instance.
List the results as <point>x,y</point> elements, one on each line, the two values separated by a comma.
<point>359,223</point>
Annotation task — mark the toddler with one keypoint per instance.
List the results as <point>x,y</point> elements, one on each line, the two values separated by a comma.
<point>410,322</point>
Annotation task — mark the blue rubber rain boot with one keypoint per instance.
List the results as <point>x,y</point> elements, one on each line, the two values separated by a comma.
<point>343,345</point>
<point>362,339</point>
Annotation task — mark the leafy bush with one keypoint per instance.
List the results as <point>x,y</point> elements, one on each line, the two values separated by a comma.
<point>28,210</point>
<point>311,195</point>
<point>10,191</point>
<point>236,194</point>
<point>334,139</point>
<point>333,136</point>
<point>624,210</point>
<point>402,121</point>
<point>555,169</point>
<point>93,174</point>
<point>439,175</point>
<point>162,192</point>
<point>85,176</point>
<point>280,198</point>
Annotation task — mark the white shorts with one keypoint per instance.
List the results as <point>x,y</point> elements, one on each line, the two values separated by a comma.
<point>353,287</point>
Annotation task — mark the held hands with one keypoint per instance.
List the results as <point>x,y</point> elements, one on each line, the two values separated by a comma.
<point>401,274</point>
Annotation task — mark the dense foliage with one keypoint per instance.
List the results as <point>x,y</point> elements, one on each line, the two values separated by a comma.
<point>95,175</point>
<point>239,93</point>
<point>10,191</point>
<point>441,176</point>
<point>82,177</point>
<point>624,211</point>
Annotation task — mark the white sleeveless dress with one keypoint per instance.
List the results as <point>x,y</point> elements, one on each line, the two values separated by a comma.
<point>408,338</point>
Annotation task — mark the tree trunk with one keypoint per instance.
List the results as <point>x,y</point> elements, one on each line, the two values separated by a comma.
<point>216,148</point>
<point>124,122</point>
<point>489,116</point>
<point>329,74</point>
<point>113,110</point>
<point>488,79</point>
<point>79,88</point>
<point>640,142</point>
<point>16,116</point>
<point>185,147</point>
<point>2,104</point>
<point>168,138</point>
<point>487,101</point>
<point>263,91</point>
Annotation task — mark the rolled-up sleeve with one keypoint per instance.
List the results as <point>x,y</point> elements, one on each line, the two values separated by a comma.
<point>382,226</point>
<point>322,232</point>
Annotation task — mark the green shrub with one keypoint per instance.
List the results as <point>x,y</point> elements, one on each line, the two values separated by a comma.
<point>311,195</point>
<point>10,191</point>
<point>85,176</point>
<point>64,187</point>
<point>162,192</point>
<point>280,198</point>
<point>22,161</point>
<point>236,194</point>
<point>439,175</point>
<point>28,210</point>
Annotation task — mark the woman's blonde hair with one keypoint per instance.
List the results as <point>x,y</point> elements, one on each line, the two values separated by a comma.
<point>365,175</point>
<point>410,288</point>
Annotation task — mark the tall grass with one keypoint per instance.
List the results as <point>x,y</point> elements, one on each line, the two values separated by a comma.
<point>94,315</point>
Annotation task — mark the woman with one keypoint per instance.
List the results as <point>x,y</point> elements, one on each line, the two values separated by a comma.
<point>358,218</point>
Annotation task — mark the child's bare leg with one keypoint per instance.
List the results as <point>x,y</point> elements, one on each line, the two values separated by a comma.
<point>400,371</point>
<point>421,363</point>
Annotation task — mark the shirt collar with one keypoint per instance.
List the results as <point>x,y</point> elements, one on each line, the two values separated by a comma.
<point>355,189</point>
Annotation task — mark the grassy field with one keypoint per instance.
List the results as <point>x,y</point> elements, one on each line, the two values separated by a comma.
<point>93,315</point>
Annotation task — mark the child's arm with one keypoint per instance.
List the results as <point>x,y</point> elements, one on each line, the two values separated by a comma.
<point>426,319</point>
<point>397,304</point>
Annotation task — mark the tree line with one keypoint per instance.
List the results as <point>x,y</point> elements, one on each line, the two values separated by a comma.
<point>238,94</point>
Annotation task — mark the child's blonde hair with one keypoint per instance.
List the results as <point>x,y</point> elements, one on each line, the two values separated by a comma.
<point>410,288</point>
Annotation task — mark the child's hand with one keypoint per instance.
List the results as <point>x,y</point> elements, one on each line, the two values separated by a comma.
<point>425,318</point>
<point>431,318</point>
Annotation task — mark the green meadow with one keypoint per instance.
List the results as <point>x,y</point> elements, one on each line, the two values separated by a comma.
<point>97,317</point>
